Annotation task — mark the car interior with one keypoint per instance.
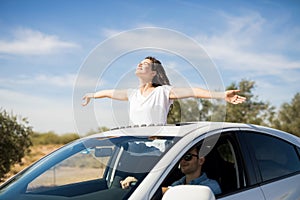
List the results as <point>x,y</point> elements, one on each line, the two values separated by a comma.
<point>134,159</point>
<point>220,165</point>
<point>219,168</point>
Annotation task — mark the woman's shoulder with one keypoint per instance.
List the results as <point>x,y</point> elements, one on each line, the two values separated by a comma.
<point>132,91</point>
<point>166,87</point>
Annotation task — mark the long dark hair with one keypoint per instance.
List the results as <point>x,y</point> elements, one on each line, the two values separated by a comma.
<point>161,77</point>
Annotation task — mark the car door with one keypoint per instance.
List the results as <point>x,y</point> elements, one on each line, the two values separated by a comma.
<point>277,163</point>
<point>225,163</point>
<point>234,169</point>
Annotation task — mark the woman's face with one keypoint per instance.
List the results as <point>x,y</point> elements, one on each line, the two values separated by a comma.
<point>144,70</point>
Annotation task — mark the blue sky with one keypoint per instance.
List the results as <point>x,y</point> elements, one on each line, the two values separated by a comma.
<point>44,45</point>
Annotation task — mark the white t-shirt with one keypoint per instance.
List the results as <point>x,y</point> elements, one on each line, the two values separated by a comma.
<point>152,109</point>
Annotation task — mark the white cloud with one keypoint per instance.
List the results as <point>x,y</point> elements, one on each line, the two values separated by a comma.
<point>254,48</point>
<point>248,44</point>
<point>162,39</point>
<point>239,47</point>
<point>44,114</point>
<point>64,80</point>
<point>110,32</point>
<point>32,42</point>
<point>49,112</point>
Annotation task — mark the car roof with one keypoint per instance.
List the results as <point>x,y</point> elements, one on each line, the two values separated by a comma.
<point>175,130</point>
<point>182,129</point>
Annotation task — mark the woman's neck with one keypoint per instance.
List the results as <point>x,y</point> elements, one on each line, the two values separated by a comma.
<point>144,81</point>
<point>146,88</point>
<point>145,85</point>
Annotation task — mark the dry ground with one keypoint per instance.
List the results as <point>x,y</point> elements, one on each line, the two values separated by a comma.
<point>36,152</point>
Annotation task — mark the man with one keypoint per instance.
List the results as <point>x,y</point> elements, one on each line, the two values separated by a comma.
<point>191,166</point>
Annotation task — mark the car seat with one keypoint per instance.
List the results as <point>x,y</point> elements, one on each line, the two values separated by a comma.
<point>220,170</point>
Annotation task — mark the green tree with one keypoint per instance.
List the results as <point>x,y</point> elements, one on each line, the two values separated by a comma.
<point>184,110</point>
<point>188,110</point>
<point>45,138</point>
<point>14,140</point>
<point>174,115</point>
<point>253,110</point>
<point>288,117</point>
<point>52,138</point>
<point>99,130</point>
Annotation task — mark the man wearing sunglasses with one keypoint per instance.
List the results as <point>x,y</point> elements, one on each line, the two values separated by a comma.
<point>191,166</point>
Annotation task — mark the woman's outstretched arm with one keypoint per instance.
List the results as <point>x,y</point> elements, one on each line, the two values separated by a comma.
<point>230,96</point>
<point>113,94</point>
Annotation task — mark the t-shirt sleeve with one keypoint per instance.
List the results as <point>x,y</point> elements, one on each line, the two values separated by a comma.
<point>167,89</point>
<point>130,92</point>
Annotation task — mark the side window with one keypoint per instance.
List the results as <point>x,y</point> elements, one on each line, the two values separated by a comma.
<point>275,157</point>
<point>220,166</point>
<point>80,167</point>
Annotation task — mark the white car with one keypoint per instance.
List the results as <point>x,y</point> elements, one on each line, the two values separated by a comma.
<point>248,161</point>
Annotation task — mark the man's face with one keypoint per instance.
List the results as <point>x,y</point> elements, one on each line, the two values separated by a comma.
<point>190,163</point>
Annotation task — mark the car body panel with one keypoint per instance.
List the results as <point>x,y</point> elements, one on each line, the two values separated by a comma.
<point>185,136</point>
<point>287,188</point>
<point>250,194</point>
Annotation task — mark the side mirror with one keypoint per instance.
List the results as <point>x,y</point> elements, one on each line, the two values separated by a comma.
<point>191,192</point>
<point>103,152</point>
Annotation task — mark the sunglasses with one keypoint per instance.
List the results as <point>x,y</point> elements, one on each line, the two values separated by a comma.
<point>189,156</point>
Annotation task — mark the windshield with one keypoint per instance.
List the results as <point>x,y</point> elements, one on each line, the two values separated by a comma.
<point>94,166</point>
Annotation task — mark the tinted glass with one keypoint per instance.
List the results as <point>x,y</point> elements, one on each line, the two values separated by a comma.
<point>92,168</point>
<point>221,165</point>
<point>275,157</point>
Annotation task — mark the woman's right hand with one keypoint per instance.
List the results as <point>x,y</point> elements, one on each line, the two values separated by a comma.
<point>86,98</point>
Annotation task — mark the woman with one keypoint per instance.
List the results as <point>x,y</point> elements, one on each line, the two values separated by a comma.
<point>150,103</point>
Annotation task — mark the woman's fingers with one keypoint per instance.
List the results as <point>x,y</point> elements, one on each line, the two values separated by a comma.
<point>86,100</point>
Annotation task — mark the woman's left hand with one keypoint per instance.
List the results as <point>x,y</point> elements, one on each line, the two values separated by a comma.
<point>86,98</point>
<point>232,97</point>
